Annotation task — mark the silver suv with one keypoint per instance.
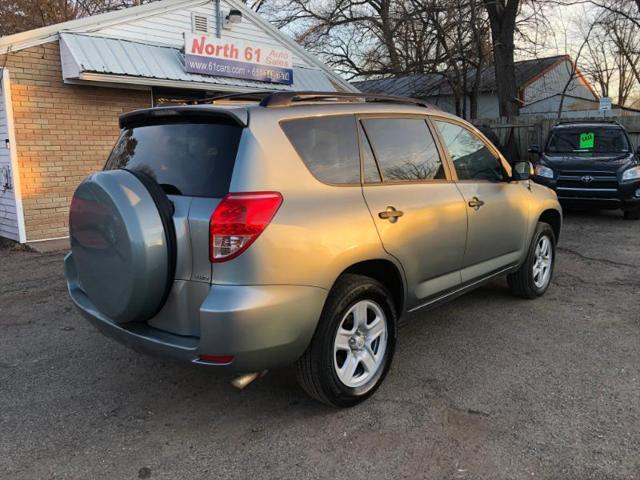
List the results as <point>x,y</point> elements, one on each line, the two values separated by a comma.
<point>270,229</point>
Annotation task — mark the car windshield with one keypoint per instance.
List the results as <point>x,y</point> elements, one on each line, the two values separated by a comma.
<point>587,140</point>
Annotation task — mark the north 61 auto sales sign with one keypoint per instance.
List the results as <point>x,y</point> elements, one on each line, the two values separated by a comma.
<point>209,55</point>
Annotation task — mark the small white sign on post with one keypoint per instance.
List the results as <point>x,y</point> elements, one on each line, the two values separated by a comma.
<point>605,104</point>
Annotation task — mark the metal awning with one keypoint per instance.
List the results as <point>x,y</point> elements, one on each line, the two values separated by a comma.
<point>111,60</point>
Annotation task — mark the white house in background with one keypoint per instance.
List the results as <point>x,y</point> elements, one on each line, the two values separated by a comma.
<point>63,87</point>
<point>540,84</point>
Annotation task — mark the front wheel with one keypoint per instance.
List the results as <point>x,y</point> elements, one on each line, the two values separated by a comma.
<point>533,277</point>
<point>352,348</point>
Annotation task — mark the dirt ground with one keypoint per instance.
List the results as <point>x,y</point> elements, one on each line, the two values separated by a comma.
<point>488,387</point>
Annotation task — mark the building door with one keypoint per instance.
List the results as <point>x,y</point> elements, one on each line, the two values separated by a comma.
<point>11,219</point>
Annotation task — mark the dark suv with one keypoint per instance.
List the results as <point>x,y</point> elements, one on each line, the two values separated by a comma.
<point>591,164</point>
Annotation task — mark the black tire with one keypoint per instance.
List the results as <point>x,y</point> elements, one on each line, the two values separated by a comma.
<point>632,214</point>
<point>315,369</point>
<point>522,282</point>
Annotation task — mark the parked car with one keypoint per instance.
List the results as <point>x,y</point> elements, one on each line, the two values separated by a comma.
<point>591,164</point>
<point>299,229</point>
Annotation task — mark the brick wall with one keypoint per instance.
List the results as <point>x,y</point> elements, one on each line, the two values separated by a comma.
<point>63,132</point>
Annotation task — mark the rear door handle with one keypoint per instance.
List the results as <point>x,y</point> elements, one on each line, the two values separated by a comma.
<point>476,203</point>
<point>391,214</point>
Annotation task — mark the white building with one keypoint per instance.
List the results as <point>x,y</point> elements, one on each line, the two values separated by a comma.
<point>540,83</point>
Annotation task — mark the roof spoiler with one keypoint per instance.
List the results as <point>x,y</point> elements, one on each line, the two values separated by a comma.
<point>182,114</point>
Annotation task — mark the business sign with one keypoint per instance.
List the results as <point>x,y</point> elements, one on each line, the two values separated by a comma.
<point>219,57</point>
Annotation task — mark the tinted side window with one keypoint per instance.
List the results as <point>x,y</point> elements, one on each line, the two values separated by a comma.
<point>471,158</point>
<point>404,148</point>
<point>193,159</point>
<point>328,146</point>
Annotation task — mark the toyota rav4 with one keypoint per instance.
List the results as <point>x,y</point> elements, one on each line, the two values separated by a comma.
<point>592,164</point>
<point>270,229</point>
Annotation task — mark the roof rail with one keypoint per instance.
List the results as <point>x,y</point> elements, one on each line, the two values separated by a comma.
<point>286,99</point>
<point>255,96</point>
<point>587,121</point>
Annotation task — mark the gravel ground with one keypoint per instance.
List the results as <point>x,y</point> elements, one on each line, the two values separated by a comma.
<point>488,386</point>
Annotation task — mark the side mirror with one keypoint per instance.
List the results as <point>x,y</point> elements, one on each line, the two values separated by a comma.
<point>522,171</point>
<point>534,149</point>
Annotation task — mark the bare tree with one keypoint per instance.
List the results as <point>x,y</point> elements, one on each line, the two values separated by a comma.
<point>502,18</point>
<point>20,15</point>
<point>462,32</point>
<point>573,66</point>
<point>482,56</point>
<point>599,65</point>
<point>365,38</point>
<point>612,53</point>
<point>626,40</point>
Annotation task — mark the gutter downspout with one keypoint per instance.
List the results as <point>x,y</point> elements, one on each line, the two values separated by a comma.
<point>218,19</point>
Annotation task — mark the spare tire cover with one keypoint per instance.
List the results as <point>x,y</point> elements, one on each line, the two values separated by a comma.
<point>120,246</point>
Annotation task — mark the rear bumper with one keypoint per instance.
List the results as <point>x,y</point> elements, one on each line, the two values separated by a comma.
<point>261,326</point>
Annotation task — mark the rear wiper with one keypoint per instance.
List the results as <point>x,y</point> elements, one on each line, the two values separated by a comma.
<point>170,189</point>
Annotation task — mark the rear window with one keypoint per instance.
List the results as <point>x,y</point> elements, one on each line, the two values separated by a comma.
<point>192,159</point>
<point>328,146</point>
<point>588,139</point>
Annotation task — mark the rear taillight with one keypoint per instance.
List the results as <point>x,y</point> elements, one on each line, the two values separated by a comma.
<point>238,220</point>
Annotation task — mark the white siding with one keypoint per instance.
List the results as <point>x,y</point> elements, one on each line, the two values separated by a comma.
<point>552,104</point>
<point>167,28</point>
<point>554,82</point>
<point>8,208</point>
<point>572,108</point>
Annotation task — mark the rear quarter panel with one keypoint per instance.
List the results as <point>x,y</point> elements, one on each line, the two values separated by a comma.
<point>319,230</point>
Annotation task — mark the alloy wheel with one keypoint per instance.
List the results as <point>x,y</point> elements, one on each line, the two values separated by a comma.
<point>360,343</point>
<point>543,261</point>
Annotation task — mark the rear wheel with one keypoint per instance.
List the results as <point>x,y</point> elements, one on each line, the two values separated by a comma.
<point>632,214</point>
<point>352,348</point>
<point>534,276</point>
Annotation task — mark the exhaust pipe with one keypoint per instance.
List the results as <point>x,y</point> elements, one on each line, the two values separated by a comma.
<point>244,380</point>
